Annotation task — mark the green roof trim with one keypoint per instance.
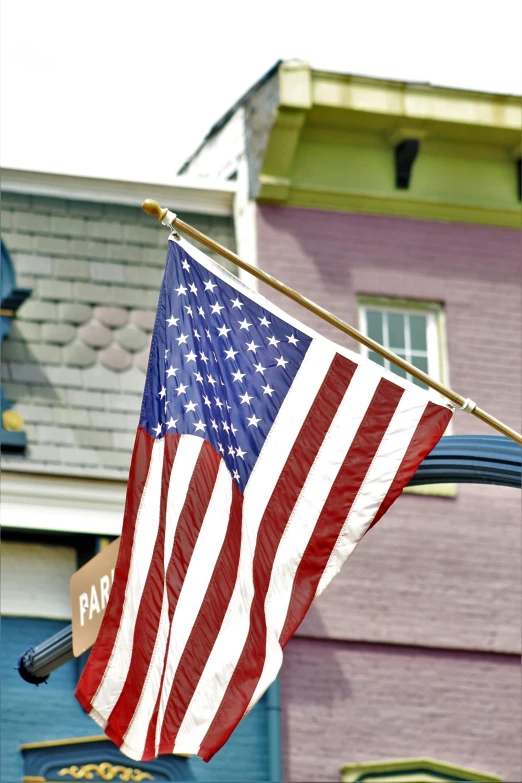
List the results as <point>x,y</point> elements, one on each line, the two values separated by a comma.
<point>420,770</point>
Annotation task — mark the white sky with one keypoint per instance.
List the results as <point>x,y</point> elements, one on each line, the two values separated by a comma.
<point>128,90</point>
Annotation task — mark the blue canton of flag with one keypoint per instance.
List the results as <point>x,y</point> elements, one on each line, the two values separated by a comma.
<point>220,365</point>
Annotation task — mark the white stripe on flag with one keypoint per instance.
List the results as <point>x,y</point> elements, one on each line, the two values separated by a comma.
<point>376,483</point>
<point>187,454</point>
<point>197,579</point>
<point>263,479</point>
<point>147,522</point>
<point>306,512</point>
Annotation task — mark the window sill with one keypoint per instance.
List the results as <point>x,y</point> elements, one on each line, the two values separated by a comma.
<point>433,490</point>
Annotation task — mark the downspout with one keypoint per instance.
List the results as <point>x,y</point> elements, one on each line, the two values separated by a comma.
<point>273,714</point>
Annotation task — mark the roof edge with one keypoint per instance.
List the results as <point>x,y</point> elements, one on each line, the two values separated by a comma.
<point>204,195</point>
<point>230,113</point>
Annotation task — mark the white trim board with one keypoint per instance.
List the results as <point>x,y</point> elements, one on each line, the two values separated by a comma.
<point>62,504</point>
<point>191,194</point>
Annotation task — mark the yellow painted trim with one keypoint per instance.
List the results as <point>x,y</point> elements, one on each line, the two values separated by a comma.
<point>395,302</point>
<point>352,772</point>
<point>69,741</point>
<point>333,109</point>
<point>106,771</point>
<point>418,103</point>
<point>77,741</point>
<point>433,490</point>
<point>33,779</point>
<point>396,205</point>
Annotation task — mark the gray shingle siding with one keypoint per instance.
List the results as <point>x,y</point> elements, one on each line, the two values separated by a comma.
<point>90,266</point>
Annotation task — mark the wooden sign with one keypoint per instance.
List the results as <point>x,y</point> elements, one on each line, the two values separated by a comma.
<point>90,587</point>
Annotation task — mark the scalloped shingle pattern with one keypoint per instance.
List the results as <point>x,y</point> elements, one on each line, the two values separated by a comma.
<point>74,361</point>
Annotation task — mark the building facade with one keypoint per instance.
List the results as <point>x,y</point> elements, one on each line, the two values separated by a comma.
<point>397,207</point>
<point>81,272</point>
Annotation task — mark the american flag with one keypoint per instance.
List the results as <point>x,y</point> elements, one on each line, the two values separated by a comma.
<point>264,453</point>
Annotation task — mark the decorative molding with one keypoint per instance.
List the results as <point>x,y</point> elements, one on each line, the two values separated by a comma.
<point>306,163</point>
<point>96,758</point>
<point>492,117</point>
<point>106,771</point>
<point>421,770</point>
<point>189,194</point>
<point>397,205</point>
<point>58,743</point>
<point>282,144</point>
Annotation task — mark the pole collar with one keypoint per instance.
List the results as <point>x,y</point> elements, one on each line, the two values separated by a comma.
<point>169,218</point>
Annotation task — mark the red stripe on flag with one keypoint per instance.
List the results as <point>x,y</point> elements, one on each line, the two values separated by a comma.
<point>102,649</point>
<point>339,502</point>
<point>284,497</point>
<point>206,628</point>
<point>148,616</point>
<point>189,524</point>
<point>429,431</point>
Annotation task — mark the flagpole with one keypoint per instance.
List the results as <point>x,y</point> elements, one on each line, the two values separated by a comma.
<point>465,404</point>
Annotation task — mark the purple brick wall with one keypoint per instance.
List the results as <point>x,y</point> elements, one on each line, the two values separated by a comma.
<point>439,573</point>
<point>355,702</point>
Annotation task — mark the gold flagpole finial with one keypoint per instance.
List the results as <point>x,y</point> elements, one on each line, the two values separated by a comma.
<point>152,207</point>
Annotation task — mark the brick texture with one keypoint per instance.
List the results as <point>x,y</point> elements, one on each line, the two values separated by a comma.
<point>435,573</point>
<point>345,704</point>
<point>441,572</point>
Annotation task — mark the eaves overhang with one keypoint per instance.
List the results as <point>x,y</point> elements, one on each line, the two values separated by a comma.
<point>334,139</point>
<point>190,194</point>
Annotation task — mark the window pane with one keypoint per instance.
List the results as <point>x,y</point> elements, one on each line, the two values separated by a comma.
<point>418,332</point>
<point>374,325</point>
<point>422,363</point>
<point>376,358</point>
<point>398,370</point>
<point>396,330</point>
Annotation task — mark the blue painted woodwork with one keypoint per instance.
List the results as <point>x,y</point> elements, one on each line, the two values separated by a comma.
<point>472,459</point>
<point>52,762</point>
<point>50,712</point>
<point>11,297</point>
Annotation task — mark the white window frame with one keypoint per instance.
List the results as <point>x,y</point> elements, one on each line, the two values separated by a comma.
<point>438,367</point>
<point>434,314</point>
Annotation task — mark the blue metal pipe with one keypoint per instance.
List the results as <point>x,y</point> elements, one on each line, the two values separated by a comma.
<point>472,459</point>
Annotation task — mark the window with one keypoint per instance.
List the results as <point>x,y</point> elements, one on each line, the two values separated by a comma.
<point>415,331</point>
<point>412,330</point>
